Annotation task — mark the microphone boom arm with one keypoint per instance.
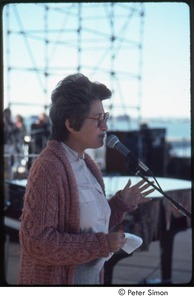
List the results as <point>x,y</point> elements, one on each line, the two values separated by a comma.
<point>177,205</point>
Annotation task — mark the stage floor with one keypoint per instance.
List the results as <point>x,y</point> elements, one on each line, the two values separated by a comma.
<point>136,269</point>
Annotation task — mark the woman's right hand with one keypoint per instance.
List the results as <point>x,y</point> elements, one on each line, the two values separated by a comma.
<point>116,240</point>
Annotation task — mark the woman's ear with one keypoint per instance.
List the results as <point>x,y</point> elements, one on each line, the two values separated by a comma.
<point>68,125</point>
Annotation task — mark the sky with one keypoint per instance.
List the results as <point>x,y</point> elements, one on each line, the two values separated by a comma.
<point>150,55</point>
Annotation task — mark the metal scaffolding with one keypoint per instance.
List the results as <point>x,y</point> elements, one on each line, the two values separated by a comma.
<point>45,42</point>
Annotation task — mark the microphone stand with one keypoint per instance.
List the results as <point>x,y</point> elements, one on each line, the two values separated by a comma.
<point>181,209</point>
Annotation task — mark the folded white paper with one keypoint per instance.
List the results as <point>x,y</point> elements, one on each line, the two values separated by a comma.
<point>133,242</point>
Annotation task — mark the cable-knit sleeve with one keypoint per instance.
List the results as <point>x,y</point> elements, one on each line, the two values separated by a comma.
<point>119,210</point>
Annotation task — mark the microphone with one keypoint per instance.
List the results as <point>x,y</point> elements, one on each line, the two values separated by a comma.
<point>113,142</point>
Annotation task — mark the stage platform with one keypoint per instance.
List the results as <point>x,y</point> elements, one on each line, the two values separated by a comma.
<point>141,268</point>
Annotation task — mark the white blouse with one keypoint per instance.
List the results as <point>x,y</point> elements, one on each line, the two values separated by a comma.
<point>94,207</point>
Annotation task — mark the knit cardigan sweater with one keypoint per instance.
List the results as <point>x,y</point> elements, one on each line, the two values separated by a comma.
<point>50,238</point>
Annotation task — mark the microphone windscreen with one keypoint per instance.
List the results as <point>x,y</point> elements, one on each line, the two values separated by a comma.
<point>112,140</point>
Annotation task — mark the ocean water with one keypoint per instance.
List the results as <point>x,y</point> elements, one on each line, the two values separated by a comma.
<point>176,130</point>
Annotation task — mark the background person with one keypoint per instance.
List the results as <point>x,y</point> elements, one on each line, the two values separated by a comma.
<point>40,131</point>
<point>20,124</point>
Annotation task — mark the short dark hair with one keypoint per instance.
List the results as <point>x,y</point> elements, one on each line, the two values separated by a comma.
<point>72,99</point>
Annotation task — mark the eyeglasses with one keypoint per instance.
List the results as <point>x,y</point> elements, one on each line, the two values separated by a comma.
<point>100,119</point>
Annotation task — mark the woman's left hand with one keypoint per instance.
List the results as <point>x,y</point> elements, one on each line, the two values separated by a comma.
<point>136,194</point>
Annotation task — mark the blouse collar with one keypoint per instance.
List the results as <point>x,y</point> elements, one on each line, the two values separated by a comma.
<point>72,153</point>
